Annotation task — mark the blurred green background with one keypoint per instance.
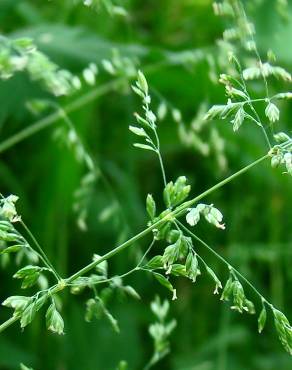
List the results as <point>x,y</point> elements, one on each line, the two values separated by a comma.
<point>174,42</point>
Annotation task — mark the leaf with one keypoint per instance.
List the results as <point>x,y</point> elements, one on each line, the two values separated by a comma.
<point>89,77</point>
<point>28,315</point>
<point>138,131</point>
<point>162,111</point>
<point>142,82</point>
<point>102,267</point>
<point>193,217</point>
<point>276,160</point>
<point>54,320</point>
<point>288,162</point>
<point>93,309</point>
<point>19,303</point>
<point>281,73</point>
<point>12,249</point>
<point>163,281</point>
<point>215,278</point>
<point>29,274</point>
<point>192,266</point>
<point>221,111</point>
<point>266,70</point>
<point>213,216</point>
<point>171,254</point>
<point>281,137</point>
<point>150,206</point>
<point>215,111</point>
<point>251,73</point>
<point>238,296</point>
<point>108,66</point>
<point>176,115</point>
<point>178,270</point>
<point>122,365</point>
<point>142,121</point>
<point>144,146</point>
<point>8,210</point>
<point>155,263</point>
<point>168,194</point>
<point>182,190</point>
<point>131,291</point>
<point>137,91</point>
<point>227,291</point>
<point>27,270</point>
<point>284,330</point>
<point>231,91</point>
<point>176,193</point>
<point>287,95</point>
<point>249,307</point>
<point>112,321</point>
<point>23,367</point>
<point>6,225</point>
<point>272,112</point>
<point>238,119</point>
<point>262,319</point>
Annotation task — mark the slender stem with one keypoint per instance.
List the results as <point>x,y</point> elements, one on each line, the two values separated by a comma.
<point>176,213</point>
<point>157,145</point>
<point>42,253</point>
<point>162,168</point>
<point>147,251</point>
<point>86,157</point>
<point>160,157</point>
<point>240,5</point>
<point>8,323</point>
<point>136,268</point>
<point>191,202</point>
<point>230,267</point>
<point>69,108</point>
<point>203,243</point>
<point>116,250</point>
<point>261,125</point>
<point>53,117</point>
<point>254,100</point>
<point>249,102</point>
<point>169,217</point>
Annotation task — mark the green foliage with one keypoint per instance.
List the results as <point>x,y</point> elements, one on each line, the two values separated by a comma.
<point>54,320</point>
<point>160,331</point>
<point>23,367</point>
<point>176,193</point>
<point>211,214</point>
<point>22,55</point>
<point>109,5</point>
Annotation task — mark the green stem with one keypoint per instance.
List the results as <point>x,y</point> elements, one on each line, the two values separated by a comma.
<point>42,253</point>
<point>160,157</point>
<point>53,117</point>
<point>71,107</point>
<point>230,267</point>
<point>249,102</point>
<point>191,202</point>
<point>115,251</point>
<point>162,168</point>
<point>176,213</point>
<point>170,216</point>
<point>9,322</point>
<point>136,268</point>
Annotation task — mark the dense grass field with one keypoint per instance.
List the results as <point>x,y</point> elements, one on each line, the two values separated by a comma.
<point>119,247</point>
